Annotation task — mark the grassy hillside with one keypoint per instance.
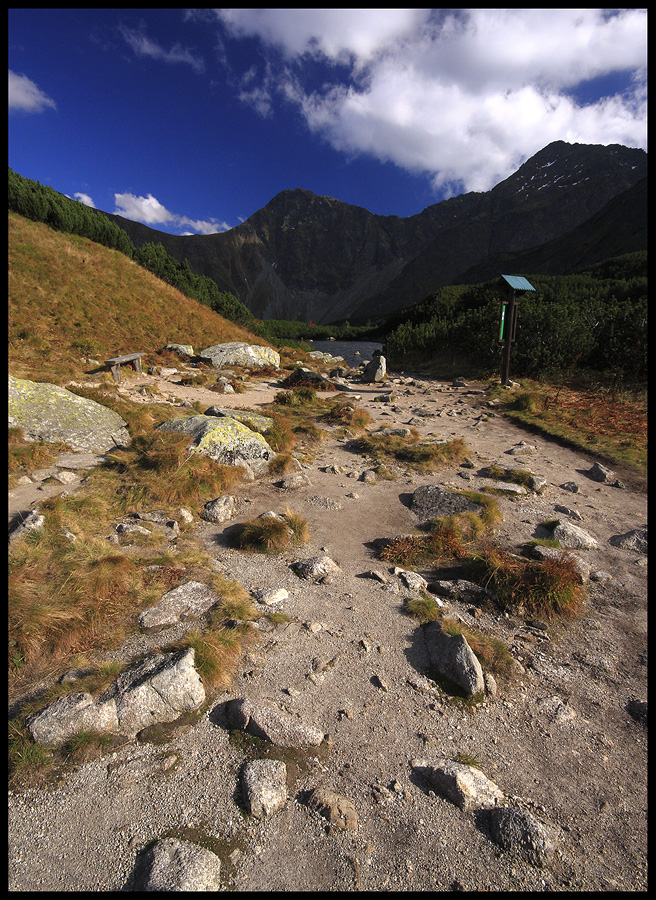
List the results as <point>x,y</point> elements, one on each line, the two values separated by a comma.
<point>70,298</point>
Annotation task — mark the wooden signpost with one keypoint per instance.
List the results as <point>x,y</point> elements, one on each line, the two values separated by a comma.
<point>508,318</point>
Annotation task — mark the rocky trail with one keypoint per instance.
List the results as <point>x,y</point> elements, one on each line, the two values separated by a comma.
<point>375,805</point>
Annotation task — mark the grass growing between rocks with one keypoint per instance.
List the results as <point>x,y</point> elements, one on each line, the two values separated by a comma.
<point>446,537</point>
<point>411,451</point>
<point>549,589</point>
<point>70,589</point>
<point>271,533</point>
<point>25,456</point>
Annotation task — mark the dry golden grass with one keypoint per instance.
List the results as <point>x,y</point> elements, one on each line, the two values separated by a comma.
<point>70,298</point>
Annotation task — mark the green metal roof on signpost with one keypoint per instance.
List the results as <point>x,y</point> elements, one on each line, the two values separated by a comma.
<point>518,283</point>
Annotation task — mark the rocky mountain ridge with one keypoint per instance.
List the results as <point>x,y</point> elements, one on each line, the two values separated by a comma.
<point>312,258</point>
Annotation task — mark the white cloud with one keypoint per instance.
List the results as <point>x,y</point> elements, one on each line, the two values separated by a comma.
<point>26,96</point>
<point>142,45</point>
<point>151,212</point>
<point>337,34</point>
<point>463,96</point>
<point>142,209</point>
<point>84,198</point>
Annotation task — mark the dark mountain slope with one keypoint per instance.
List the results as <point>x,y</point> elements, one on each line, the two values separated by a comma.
<point>315,258</point>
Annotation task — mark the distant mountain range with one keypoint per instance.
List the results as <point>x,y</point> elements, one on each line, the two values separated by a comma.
<point>310,258</point>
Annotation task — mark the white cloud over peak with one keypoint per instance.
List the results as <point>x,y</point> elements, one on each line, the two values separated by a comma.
<point>463,96</point>
<point>151,212</point>
<point>26,96</point>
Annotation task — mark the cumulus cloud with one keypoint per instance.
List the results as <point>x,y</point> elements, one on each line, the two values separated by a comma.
<point>84,198</point>
<point>464,96</point>
<point>151,212</point>
<point>26,96</point>
<point>141,45</point>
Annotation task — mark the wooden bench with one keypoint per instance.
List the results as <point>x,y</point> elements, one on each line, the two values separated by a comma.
<point>116,362</point>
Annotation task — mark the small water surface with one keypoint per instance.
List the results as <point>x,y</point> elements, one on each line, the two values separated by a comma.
<point>354,352</point>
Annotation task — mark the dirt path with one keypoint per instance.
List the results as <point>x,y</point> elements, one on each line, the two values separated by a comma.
<point>558,740</point>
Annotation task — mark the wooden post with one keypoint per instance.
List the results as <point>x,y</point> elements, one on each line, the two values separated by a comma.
<point>509,335</point>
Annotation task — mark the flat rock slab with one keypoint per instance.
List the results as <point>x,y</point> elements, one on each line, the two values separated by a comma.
<point>50,413</point>
<point>271,724</point>
<point>432,501</point>
<point>338,810</point>
<point>189,600</point>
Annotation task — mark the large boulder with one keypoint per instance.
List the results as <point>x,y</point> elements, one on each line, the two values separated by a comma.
<point>376,370</point>
<point>224,440</point>
<point>158,689</point>
<point>47,412</point>
<point>239,353</point>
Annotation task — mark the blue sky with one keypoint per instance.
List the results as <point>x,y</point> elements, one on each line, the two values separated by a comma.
<point>192,120</point>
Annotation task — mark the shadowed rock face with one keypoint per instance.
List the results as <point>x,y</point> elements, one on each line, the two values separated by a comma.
<point>311,258</point>
<point>51,413</point>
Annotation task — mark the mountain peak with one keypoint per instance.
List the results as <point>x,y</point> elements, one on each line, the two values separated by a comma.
<point>310,257</point>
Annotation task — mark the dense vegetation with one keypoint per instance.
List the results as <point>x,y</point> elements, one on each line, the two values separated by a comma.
<point>43,204</point>
<point>595,319</point>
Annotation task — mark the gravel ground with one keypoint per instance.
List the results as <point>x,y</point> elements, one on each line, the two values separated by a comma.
<point>557,740</point>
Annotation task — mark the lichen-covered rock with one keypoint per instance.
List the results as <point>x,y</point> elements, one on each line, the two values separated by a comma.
<point>239,353</point>
<point>252,420</point>
<point>50,413</point>
<point>224,440</point>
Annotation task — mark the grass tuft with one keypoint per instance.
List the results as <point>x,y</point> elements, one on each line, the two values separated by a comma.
<point>271,533</point>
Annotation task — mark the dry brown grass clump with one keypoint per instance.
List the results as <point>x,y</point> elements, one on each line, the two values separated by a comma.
<point>411,451</point>
<point>548,589</point>
<point>271,533</point>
